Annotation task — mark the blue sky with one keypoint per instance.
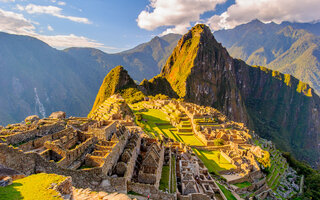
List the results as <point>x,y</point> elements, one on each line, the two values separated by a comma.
<point>117,25</point>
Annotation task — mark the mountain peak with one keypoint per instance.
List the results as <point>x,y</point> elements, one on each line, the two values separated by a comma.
<point>117,79</point>
<point>200,70</point>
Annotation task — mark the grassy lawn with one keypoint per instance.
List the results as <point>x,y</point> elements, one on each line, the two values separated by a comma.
<point>243,184</point>
<point>34,187</point>
<point>164,181</point>
<point>213,161</point>
<point>190,139</point>
<point>226,192</point>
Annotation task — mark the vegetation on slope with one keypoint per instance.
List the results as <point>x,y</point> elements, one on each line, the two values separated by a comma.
<point>179,64</point>
<point>283,47</point>
<point>312,177</point>
<point>115,80</point>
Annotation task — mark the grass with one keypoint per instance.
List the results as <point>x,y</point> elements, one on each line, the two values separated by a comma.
<point>154,117</point>
<point>164,181</point>
<point>190,139</point>
<point>243,184</point>
<point>226,192</point>
<point>33,187</point>
<point>173,174</point>
<point>213,161</point>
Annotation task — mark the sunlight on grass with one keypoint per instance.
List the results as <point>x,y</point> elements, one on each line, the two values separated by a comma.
<point>190,139</point>
<point>33,187</point>
<point>213,161</point>
<point>243,184</point>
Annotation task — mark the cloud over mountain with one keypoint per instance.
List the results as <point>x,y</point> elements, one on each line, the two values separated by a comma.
<point>16,23</point>
<point>244,11</point>
<point>177,14</point>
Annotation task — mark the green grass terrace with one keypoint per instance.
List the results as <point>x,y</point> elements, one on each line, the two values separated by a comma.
<point>156,123</point>
<point>214,161</point>
<point>32,187</point>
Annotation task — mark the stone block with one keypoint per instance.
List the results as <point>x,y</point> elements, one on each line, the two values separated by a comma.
<point>58,115</point>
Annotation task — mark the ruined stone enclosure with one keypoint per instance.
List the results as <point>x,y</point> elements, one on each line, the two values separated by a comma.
<point>96,154</point>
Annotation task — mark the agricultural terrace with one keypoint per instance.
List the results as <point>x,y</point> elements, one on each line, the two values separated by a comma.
<point>214,161</point>
<point>155,122</point>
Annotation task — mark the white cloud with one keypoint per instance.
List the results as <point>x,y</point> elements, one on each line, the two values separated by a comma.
<point>15,23</point>
<point>62,41</point>
<point>51,10</point>
<point>244,11</point>
<point>50,28</point>
<point>62,3</point>
<point>7,1</point>
<point>175,13</point>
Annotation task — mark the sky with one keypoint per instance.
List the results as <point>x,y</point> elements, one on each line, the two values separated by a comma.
<point>118,25</point>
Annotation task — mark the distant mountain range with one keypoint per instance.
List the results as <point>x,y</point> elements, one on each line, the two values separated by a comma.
<point>292,48</point>
<point>143,61</point>
<point>38,79</point>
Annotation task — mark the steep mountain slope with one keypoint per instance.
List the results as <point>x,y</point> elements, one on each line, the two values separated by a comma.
<point>277,106</point>
<point>115,80</point>
<point>277,46</point>
<point>143,61</point>
<point>38,79</point>
<point>200,70</point>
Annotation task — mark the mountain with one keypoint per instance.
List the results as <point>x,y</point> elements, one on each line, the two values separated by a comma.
<point>115,80</point>
<point>200,70</point>
<point>38,79</point>
<point>143,61</point>
<point>291,48</point>
<point>277,106</point>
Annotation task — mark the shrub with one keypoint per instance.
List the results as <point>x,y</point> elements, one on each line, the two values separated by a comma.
<point>132,95</point>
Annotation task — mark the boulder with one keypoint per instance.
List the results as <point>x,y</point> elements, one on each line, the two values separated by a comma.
<point>58,115</point>
<point>31,119</point>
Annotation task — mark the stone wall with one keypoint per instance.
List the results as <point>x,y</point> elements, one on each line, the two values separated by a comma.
<point>113,156</point>
<point>194,196</point>
<point>159,170</point>
<point>31,134</point>
<point>146,189</point>
<point>31,163</point>
<point>104,132</point>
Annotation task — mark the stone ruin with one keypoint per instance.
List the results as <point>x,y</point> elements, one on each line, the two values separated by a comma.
<point>194,178</point>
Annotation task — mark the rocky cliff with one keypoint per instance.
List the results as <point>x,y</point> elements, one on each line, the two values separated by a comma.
<point>282,109</point>
<point>201,71</point>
